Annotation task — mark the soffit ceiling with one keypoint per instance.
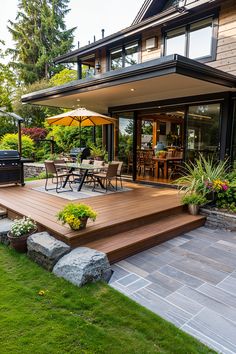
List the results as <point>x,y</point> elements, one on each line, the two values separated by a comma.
<point>147,90</point>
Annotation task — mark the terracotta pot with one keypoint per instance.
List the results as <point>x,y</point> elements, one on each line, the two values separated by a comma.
<point>20,243</point>
<point>193,209</point>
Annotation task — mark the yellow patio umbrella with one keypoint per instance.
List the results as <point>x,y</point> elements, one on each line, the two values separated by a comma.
<point>81,117</point>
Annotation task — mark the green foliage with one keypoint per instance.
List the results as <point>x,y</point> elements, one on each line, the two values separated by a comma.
<point>227,199</point>
<point>194,198</point>
<point>64,76</point>
<point>74,215</point>
<point>41,313</point>
<point>33,115</point>
<point>21,227</point>
<point>7,125</point>
<point>68,137</point>
<point>97,151</point>
<point>197,174</point>
<point>40,34</point>
<point>10,142</point>
<point>7,82</point>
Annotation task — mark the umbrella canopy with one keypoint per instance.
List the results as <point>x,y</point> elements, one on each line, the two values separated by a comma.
<point>80,117</point>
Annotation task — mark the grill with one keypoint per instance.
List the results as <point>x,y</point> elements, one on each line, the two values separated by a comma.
<point>11,167</point>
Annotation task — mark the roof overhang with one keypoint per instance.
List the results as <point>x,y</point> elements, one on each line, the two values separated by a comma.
<point>169,77</point>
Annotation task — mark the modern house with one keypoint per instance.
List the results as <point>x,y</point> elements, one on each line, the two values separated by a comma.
<point>169,79</point>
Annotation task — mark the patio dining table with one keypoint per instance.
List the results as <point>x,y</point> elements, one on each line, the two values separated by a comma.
<point>84,170</point>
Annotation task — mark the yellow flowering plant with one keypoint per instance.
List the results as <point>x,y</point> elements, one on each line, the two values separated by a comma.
<point>76,215</point>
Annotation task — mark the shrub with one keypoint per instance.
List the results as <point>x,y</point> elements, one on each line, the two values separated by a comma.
<point>198,175</point>
<point>227,199</point>
<point>194,198</point>
<point>10,142</point>
<point>35,133</point>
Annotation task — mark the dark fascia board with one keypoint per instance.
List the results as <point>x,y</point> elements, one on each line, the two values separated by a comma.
<point>154,68</point>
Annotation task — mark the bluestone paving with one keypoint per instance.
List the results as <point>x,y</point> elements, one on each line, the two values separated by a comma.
<point>190,281</point>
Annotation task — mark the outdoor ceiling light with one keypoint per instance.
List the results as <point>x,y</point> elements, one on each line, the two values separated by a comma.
<point>180,5</point>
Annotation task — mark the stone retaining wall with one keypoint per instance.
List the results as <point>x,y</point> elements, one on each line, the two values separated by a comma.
<point>219,220</point>
<point>33,169</point>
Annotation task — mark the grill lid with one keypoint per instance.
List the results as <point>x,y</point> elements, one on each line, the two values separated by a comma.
<point>9,154</point>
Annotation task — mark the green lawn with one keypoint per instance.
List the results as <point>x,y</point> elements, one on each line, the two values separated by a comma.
<point>92,319</point>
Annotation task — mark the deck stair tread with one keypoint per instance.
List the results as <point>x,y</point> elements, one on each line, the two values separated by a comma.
<point>150,234</point>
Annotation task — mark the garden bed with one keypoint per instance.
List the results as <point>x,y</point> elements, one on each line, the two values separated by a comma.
<point>219,218</point>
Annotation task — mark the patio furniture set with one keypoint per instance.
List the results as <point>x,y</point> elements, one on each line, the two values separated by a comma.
<point>97,173</point>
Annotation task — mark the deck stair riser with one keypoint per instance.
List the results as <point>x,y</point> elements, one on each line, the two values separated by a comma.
<point>89,235</point>
<point>122,245</point>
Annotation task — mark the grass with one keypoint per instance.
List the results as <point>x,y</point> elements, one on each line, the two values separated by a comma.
<point>67,319</point>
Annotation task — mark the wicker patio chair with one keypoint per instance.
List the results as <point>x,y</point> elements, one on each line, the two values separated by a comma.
<point>57,177</point>
<point>104,179</point>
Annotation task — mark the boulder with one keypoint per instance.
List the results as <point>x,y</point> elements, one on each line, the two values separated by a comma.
<point>5,226</point>
<point>83,265</point>
<point>45,249</point>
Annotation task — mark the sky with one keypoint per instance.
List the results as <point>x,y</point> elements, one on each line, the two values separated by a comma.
<point>88,16</point>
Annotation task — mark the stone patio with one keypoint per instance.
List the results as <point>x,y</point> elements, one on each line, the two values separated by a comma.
<point>190,281</point>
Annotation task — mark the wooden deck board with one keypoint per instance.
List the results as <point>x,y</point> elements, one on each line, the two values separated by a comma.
<point>131,214</point>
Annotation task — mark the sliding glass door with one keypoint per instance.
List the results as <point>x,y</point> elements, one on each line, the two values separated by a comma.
<point>203,131</point>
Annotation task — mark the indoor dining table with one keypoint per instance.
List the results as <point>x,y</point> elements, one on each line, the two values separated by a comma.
<point>165,161</point>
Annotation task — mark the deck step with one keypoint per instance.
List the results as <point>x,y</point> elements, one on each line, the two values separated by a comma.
<point>3,213</point>
<point>125,244</point>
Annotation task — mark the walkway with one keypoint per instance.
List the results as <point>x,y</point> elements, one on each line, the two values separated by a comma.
<point>190,281</point>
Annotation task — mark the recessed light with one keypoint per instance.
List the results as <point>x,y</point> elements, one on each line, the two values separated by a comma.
<point>132,89</point>
<point>78,100</point>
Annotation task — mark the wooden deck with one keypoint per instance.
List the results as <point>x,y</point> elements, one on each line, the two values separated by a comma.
<point>127,222</point>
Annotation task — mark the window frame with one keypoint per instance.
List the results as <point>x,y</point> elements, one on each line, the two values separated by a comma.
<point>214,37</point>
<point>122,48</point>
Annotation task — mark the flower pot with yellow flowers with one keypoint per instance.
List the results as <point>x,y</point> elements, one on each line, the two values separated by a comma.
<point>76,215</point>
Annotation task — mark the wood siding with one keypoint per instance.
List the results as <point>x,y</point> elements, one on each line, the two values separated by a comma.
<point>155,52</point>
<point>226,44</point>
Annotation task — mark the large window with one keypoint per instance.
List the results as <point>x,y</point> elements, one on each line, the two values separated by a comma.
<point>194,41</point>
<point>124,56</point>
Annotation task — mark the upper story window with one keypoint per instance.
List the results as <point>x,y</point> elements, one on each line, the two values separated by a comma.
<point>124,56</point>
<point>194,41</point>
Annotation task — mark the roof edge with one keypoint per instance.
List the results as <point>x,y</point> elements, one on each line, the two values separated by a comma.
<point>171,64</point>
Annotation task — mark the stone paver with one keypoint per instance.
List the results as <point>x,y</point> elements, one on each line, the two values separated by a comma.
<point>190,281</point>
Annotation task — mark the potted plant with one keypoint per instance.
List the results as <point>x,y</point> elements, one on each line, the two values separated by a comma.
<point>161,154</point>
<point>194,201</point>
<point>76,215</point>
<point>97,152</point>
<point>20,230</point>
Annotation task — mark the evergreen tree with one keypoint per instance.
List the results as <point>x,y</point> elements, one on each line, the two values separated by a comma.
<point>7,81</point>
<point>40,35</point>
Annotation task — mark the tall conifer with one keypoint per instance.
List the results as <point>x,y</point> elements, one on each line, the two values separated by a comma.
<point>40,34</point>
